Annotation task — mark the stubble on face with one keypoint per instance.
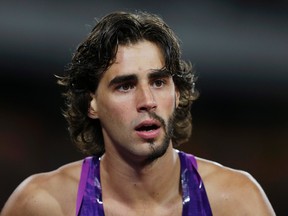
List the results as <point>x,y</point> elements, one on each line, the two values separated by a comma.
<point>159,151</point>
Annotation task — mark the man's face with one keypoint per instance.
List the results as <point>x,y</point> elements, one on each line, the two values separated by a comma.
<point>134,102</point>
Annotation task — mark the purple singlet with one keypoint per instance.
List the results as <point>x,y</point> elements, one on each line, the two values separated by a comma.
<point>194,197</point>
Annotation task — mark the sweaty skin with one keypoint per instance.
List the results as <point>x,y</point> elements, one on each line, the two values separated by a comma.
<point>46,194</point>
<point>127,92</point>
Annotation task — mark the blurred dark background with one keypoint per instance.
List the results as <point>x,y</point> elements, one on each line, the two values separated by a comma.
<point>239,50</point>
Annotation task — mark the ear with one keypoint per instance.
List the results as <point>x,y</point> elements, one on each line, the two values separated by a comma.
<point>92,110</point>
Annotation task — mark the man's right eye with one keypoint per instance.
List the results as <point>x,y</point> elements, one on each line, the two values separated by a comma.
<point>125,87</point>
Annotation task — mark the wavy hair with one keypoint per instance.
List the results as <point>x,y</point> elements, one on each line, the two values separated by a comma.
<point>98,52</point>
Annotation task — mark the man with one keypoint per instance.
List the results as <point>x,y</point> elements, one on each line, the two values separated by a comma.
<point>128,98</point>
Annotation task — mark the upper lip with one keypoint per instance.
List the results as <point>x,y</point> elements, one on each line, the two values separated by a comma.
<point>148,123</point>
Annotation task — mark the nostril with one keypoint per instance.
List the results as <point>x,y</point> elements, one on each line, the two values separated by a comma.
<point>147,106</point>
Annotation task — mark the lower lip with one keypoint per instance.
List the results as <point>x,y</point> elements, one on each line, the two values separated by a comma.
<point>148,134</point>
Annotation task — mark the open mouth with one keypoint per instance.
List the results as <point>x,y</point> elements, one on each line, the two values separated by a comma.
<point>147,127</point>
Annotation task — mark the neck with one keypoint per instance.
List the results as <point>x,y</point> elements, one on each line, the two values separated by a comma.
<point>141,182</point>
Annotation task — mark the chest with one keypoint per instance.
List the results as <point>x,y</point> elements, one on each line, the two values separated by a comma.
<point>112,208</point>
<point>192,201</point>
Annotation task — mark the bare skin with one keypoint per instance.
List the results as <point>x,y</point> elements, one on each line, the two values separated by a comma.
<point>131,185</point>
<point>230,192</point>
<point>46,194</point>
<point>233,192</point>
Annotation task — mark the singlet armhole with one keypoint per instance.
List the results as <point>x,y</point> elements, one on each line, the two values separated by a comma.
<point>82,183</point>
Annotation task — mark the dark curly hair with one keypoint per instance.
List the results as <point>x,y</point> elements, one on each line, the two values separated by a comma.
<point>97,53</point>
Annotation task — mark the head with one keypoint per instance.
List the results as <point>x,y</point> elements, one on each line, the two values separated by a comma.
<point>95,55</point>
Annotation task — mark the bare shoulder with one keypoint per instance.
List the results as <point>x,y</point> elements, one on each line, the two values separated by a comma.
<point>233,192</point>
<point>51,193</point>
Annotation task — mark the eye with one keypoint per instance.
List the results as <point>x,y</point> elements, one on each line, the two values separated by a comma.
<point>125,87</point>
<point>158,83</point>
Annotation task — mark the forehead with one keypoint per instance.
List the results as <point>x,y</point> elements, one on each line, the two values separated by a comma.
<point>136,58</point>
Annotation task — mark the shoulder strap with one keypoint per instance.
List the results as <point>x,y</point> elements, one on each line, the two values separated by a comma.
<point>193,161</point>
<point>195,200</point>
<point>82,182</point>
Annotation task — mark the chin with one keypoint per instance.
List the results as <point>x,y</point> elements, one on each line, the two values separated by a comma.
<point>157,151</point>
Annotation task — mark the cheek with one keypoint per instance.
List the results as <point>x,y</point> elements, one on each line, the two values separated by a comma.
<point>113,112</point>
<point>169,101</point>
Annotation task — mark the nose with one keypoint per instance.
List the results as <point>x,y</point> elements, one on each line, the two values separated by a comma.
<point>145,100</point>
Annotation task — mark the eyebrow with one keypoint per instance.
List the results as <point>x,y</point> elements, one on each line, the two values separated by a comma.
<point>122,79</point>
<point>155,74</point>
